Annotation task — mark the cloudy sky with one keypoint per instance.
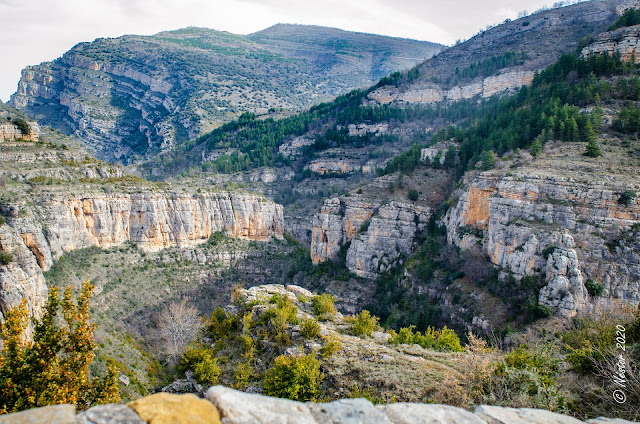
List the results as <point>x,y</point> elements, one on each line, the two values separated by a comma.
<point>33,31</point>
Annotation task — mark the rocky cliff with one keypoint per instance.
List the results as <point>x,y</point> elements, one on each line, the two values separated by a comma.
<point>380,236</point>
<point>432,93</point>
<point>41,231</point>
<point>138,95</point>
<point>538,40</point>
<point>565,230</point>
<point>625,41</point>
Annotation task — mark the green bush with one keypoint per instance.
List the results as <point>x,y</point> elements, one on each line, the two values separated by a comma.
<point>413,194</point>
<point>332,344</point>
<point>447,339</point>
<point>323,305</point>
<point>364,324</point>
<point>309,328</point>
<point>5,257</point>
<point>216,238</point>
<point>295,378</point>
<point>594,288</point>
<point>543,311</point>
<point>204,366</point>
<point>627,197</point>
<point>2,221</point>
<point>22,125</point>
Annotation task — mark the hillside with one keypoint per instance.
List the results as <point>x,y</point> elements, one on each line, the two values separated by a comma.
<point>135,96</point>
<point>66,217</point>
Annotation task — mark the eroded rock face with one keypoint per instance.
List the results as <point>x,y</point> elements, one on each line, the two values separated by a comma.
<point>338,222</point>
<point>625,41</point>
<point>375,247</point>
<point>390,237</point>
<point>568,231</point>
<point>40,232</point>
<point>432,93</point>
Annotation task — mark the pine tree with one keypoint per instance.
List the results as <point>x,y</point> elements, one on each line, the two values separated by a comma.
<point>53,368</point>
<point>536,147</point>
<point>593,150</point>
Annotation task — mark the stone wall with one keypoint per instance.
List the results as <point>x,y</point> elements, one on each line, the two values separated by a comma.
<point>224,405</point>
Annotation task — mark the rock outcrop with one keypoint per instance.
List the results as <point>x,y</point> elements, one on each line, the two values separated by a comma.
<point>432,93</point>
<point>566,230</point>
<point>234,407</point>
<point>337,223</point>
<point>380,236</point>
<point>624,41</point>
<point>390,237</point>
<point>40,232</point>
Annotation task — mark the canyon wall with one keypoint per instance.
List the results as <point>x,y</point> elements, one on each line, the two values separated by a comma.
<point>38,232</point>
<point>566,231</point>
<point>380,236</point>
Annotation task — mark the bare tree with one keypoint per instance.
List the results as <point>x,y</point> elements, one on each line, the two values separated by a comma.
<point>178,324</point>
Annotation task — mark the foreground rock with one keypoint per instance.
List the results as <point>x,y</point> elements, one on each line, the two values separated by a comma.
<point>234,407</point>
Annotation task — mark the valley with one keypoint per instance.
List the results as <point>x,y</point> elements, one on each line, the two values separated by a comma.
<point>340,215</point>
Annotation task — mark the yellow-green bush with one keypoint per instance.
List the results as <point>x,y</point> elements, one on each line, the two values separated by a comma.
<point>200,361</point>
<point>323,305</point>
<point>296,378</point>
<point>53,367</point>
<point>309,328</point>
<point>364,324</point>
<point>447,339</point>
<point>332,344</point>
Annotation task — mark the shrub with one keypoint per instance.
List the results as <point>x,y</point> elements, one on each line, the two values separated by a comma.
<point>627,197</point>
<point>295,378</point>
<point>548,251</point>
<point>216,238</point>
<point>594,288</point>
<point>323,305</point>
<point>407,336</point>
<point>221,324</point>
<point>2,221</point>
<point>204,366</point>
<point>332,344</point>
<point>543,311</point>
<point>364,324</point>
<point>413,194</point>
<point>447,339</point>
<point>53,367</point>
<point>22,125</point>
<point>309,328</point>
<point>365,226</point>
<point>5,257</point>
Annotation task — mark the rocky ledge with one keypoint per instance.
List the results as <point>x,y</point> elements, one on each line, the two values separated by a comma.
<point>566,231</point>
<point>224,405</point>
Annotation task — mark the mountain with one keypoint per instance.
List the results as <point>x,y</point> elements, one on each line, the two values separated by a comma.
<point>138,95</point>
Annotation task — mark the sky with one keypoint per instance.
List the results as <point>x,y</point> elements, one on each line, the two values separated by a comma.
<point>35,31</point>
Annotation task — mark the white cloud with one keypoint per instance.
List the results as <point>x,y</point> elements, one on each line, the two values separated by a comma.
<point>33,31</point>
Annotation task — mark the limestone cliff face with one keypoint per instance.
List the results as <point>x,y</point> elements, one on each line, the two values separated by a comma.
<point>375,247</point>
<point>338,222</point>
<point>390,237</point>
<point>625,41</point>
<point>41,231</point>
<point>433,93</point>
<point>568,231</point>
<point>119,95</point>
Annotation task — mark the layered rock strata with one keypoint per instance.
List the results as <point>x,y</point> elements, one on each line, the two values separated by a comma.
<point>432,93</point>
<point>624,41</point>
<point>40,232</point>
<point>380,236</point>
<point>565,230</point>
